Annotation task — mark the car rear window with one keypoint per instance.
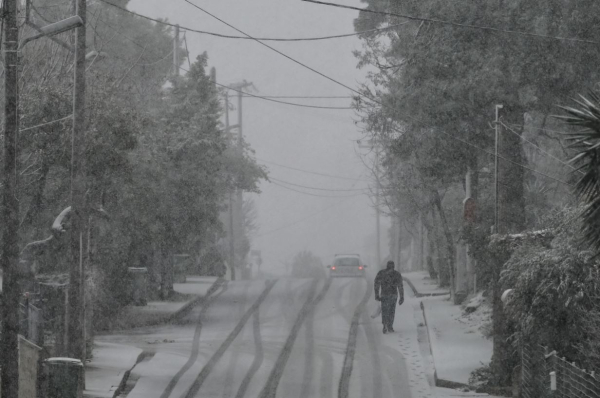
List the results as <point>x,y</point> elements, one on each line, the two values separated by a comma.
<point>347,262</point>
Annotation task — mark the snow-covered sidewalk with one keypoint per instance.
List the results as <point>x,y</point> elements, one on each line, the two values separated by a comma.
<point>111,362</point>
<point>456,338</point>
<point>104,373</point>
<point>457,342</point>
<point>422,284</point>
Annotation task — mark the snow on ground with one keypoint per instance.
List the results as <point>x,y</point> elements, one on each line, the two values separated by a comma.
<point>158,311</point>
<point>104,372</point>
<point>197,285</point>
<point>423,283</point>
<point>457,342</point>
<point>449,393</point>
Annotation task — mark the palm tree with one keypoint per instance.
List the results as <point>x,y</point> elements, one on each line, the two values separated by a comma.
<point>586,142</point>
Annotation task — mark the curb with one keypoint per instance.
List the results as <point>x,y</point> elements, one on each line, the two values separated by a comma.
<point>416,292</point>
<point>438,382</point>
<point>183,311</point>
<point>123,382</point>
<point>179,313</point>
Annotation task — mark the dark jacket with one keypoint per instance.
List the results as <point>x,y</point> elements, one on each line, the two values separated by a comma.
<point>388,282</point>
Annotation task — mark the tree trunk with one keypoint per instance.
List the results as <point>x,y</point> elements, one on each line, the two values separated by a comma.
<point>450,248</point>
<point>511,174</point>
<point>9,351</point>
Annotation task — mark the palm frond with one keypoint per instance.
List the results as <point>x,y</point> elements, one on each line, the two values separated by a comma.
<point>586,142</point>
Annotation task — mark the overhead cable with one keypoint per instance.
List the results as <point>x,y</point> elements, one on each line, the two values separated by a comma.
<point>456,24</point>
<point>339,83</point>
<point>540,149</point>
<point>319,189</point>
<point>283,102</point>
<point>183,28</point>
<point>507,160</point>
<point>283,54</point>
<point>314,194</point>
<point>46,123</point>
<point>308,171</point>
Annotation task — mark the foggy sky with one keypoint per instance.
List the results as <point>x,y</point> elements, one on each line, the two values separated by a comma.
<point>312,139</point>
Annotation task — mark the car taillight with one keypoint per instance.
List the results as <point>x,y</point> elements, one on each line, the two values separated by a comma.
<point>333,268</point>
<point>360,268</point>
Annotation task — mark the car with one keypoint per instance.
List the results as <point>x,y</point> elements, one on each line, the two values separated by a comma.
<point>347,265</point>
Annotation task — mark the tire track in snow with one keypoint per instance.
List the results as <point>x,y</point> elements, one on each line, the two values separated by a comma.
<point>326,382</point>
<point>209,366</point>
<point>309,355</point>
<point>229,378</point>
<point>343,389</point>
<point>195,345</point>
<point>343,308</point>
<point>258,357</point>
<point>375,359</point>
<point>270,388</point>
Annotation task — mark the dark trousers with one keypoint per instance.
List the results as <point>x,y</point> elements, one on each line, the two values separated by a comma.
<point>388,310</point>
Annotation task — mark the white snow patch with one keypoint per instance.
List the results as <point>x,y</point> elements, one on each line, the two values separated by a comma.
<point>458,345</point>
<point>104,372</point>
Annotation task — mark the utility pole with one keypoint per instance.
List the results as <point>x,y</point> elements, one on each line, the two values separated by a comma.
<point>76,331</point>
<point>496,181</point>
<point>237,201</point>
<point>9,345</point>
<point>374,146</point>
<point>176,51</point>
<point>231,229</point>
<point>377,208</point>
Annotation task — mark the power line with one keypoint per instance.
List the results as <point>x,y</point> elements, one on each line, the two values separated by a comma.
<point>456,24</point>
<point>183,28</point>
<point>282,102</point>
<point>236,90</point>
<point>319,189</point>
<point>337,82</point>
<point>282,54</point>
<point>540,149</point>
<point>309,172</point>
<point>314,194</point>
<point>351,89</point>
<point>306,96</point>
<point>506,159</point>
<point>537,128</point>
<point>47,123</point>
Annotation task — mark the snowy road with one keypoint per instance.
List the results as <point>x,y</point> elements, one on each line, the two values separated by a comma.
<point>292,338</point>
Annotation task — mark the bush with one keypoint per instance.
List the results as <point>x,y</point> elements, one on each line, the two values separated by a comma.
<point>556,291</point>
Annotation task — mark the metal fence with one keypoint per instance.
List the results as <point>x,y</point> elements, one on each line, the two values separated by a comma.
<point>546,375</point>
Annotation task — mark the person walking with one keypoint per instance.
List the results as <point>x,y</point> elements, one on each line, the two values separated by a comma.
<point>388,289</point>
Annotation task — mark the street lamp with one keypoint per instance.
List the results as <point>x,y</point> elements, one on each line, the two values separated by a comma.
<point>55,28</point>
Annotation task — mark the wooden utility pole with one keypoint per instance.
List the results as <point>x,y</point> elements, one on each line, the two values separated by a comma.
<point>9,345</point>
<point>231,229</point>
<point>176,51</point>
<point>76,333</point>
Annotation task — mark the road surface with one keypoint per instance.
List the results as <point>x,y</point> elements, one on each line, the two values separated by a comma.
<point>289,338</point>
